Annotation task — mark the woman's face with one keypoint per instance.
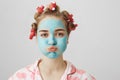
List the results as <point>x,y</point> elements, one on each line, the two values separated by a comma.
<point>52,37</point>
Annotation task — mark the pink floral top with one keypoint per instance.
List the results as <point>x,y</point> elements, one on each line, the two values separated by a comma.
<point>31,72</point>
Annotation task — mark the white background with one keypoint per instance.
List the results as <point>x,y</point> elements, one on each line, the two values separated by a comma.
<point>93,46</point>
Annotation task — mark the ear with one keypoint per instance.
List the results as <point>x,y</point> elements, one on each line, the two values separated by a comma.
<point>67,41</point>
<point>36,40</point>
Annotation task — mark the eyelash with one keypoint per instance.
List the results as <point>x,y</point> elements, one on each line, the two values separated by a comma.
<point>44,35</point>
<point>57,34</point>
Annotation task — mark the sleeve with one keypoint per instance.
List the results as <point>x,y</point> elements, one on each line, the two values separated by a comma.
<point>18,76</point>
<point>87,76</point>
<point>22,74</point>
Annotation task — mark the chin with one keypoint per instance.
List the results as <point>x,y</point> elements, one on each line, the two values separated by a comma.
<point>52,55</point>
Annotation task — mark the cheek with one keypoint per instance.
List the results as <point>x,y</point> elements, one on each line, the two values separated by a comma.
<point>62,43</point>
<point>41,42</point>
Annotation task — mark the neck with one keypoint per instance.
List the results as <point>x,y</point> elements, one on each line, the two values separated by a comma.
<point>51,65</point>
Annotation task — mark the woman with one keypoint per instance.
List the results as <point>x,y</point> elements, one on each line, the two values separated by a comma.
<point>52,29</point>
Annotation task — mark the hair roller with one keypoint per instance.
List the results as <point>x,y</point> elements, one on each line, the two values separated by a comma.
<point>33,30</point>
<point>52,6</point>
<point>34,26</point>
<point>40,9</point>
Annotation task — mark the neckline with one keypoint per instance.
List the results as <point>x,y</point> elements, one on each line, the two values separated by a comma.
<point>64,75</point>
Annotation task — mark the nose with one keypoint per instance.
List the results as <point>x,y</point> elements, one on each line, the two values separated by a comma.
<point>52,40</point>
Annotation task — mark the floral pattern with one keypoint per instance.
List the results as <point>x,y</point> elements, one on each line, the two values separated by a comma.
<point>31,72</point>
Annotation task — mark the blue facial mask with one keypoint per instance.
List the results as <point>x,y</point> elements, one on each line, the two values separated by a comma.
<point>53,28</point>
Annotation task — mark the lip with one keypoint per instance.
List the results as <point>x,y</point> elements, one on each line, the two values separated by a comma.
<point>52,49</point>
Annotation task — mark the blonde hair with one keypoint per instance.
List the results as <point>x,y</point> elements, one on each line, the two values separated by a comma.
<point>48,12</point>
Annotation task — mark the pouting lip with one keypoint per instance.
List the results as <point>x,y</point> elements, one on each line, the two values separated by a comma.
<point>52,49</point>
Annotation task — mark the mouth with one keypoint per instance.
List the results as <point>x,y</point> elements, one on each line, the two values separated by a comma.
<point>52,49</point>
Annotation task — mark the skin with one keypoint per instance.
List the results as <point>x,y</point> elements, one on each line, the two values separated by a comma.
<point>52,33</point>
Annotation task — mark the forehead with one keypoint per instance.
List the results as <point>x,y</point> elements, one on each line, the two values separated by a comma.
<point>51,23</point>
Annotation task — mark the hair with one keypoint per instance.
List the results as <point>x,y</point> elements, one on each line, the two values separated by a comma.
<point>64,15</point>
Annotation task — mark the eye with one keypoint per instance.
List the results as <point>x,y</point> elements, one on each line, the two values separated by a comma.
<point>44,35</point>
<point>59,34</point>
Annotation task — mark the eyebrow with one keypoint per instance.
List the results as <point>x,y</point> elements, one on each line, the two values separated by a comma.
<point>55,30</point>
<point>59,30</point>
<point>43,31</point>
